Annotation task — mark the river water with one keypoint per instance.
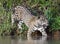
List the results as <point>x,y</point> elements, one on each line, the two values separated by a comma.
<point>24,40</point>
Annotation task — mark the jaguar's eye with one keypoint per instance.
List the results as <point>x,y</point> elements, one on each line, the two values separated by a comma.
<point>16,15</point>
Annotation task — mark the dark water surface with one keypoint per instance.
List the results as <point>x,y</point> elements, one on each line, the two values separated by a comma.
<point>23,40</point>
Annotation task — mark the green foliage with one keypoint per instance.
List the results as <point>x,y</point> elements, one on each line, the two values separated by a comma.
<point>24,28</point>
<point>52,14</point>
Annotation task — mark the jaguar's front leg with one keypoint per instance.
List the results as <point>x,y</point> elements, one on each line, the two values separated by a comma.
<point>30,30</point>
<point>20,24</point>
<point>42,30</point>
<point>29,34</point>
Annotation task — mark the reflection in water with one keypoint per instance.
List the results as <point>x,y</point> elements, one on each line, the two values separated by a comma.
<point>42,40</point>
<point>19,40</point>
